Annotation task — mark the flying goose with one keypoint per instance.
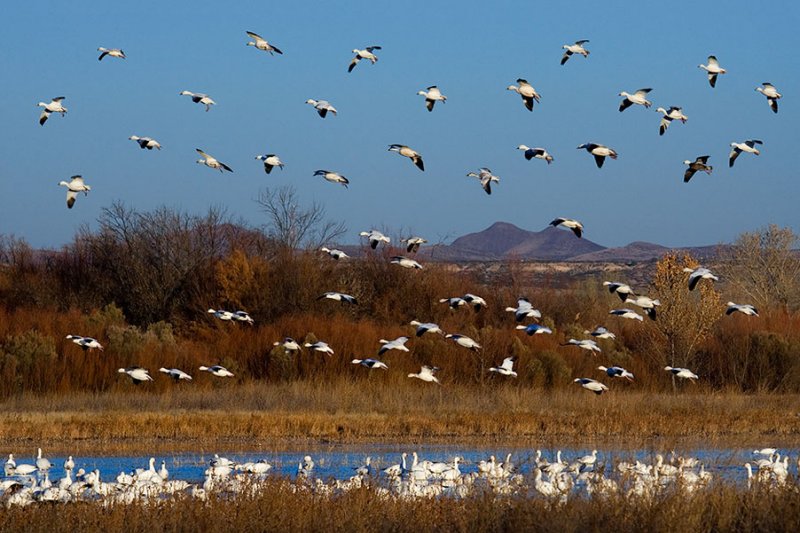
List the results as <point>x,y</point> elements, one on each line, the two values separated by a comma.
<point>370,363</point>
<point>576,48</point>
<point>585,344</point>
<point>463,340</point>
<point>713,70</point>
<point>745,309</point>
<point>674,113</point>
<point>683,373</point>
<point>333,177</point>
<point>486,178</point>
<point>270,161</point>
<point>243,316</point>
<point>535,329</point>
<point>426,327</point>
<point>289,345</point>
<point>54,106</point>
<point>524,309</point>
<point>432,96</point>
<point>599,152</point>
<point>698,165</point>
<point>591,385</point>
<point>221,314</point>
<point>476,301</point>
<point>413,243</point>
<point>217,370</point>
<point>74,186</point>
<point>176,374</point>
<point>600,333</point>
<point>695,275</point>
<point>526,91</point>
<point>333,252</point>
<point>648,304</point>
<point>375,237</point>
<point>113,52</point>
<point>538,153</point>
<point>320,346</point>
<point>748,146</point>
<point>626,313</point>
<point>405,151</point>
<point>405,262</point>
<point>366,53</point>
<point>146,142</point>
<point>136,373</point>
<point>506,368</point>
<point>571,224</point>
<point>87,343</point>
<point>616,372</point>
<point>639,98</point>
<point>397,344</point>
<point>772,95</point>
<point>454,302</point>
<point>426,374</point>
<point>211,162</point>
<point>261,44</point>
<point>621,289</point>
<point>339,297</point>
<point>200,98</point>
<point>322,107</point>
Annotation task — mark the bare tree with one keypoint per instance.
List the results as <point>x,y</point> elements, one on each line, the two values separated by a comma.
<point>293,226</point>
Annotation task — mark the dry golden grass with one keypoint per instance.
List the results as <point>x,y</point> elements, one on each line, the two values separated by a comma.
<point>366,410</point>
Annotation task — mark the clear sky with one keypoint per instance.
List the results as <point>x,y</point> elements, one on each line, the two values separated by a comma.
<point>471,49</point>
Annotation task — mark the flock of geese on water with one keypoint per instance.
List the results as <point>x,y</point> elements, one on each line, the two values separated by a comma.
<point>523,311</point>
<point>433,94</point>
<point>557,480</point>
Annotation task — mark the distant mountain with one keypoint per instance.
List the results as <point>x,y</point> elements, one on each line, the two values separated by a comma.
<point>635,251</point>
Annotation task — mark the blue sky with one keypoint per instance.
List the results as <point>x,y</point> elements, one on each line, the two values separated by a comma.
<point>471,50</point>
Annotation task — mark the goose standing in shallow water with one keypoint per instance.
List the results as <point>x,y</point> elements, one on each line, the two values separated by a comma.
<point>748,146</point>
<point>507,368</point>
<point>87,343</point>
<point>366,53</point>
<point>53,107</point>
<point>322,107</point>
<point>426,374</point>
<point>270,161</point>
<point>639,98</point>
<point>713,70</point>
<point>571,224</point>
<point>217,370</point>
<point>576,48</point>
<point>405,151</point>
<point>538,153</point>
<point>370,363</point>
<point>745,309</point>
<point>136,373</point>
<point>486,178</point>
<point>375,237</point>
<point>211,162</point>
<point>526,91</point>
<point>695,275</point>
<point>683,373</point>
<point>113,52</point>
<point>772,95</point>
<point>333,177</point>
<point>74,186</point>
<point>616,372</point>
<point>599,152</point>
<point>176,374</point>
<point>591,385</point>
<point>145,142</point>
<point>432,96</point>
<point>674,113</point>
<point>261,44</point>
<point>42,463</point>
<point>200,98</point>
<point>698,165</point>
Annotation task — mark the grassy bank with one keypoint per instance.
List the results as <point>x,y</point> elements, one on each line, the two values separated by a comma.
<point>255,416</point>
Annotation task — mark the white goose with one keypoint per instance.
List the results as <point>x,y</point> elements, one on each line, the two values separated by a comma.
<point>338,297</point>
<point>620,289</point>
<point>113,52</point>
<point>217,370</point>
<point>334,253</point>
<point>616,372</point>
<point>289,345</point>
<point>405,262</point>
<point>626,313</point>
<point>413,243</point>
<point>463,340</point>
<point>320,346</point>
<point>772,95</point>
<point>506,368</point>
<point>322,107</point>
<point>137,374</point>
<point>432,95</point>
<point>535,329</point>
<point>695,275</point>
<point>333,177</point>
<point>405,151</point>
<point>261,44</point>
<point>270,161</point>
<point>600,333</point>
<point>375,237</point>
<point>591,385</point>
<point>585,344</point>
<point>199,98</point>
<point>748,146</point>
<point>426,374</point>
<point>713,70</point>
<point>397,344</point>
<point>221,314</point>
<point>243,316</point>
<point>538,153</point>
<point>569,223</point>
<point>42,463</point>
<point>599,152</point>
<point>486,178</point>
<point>475,301</point>
<point>426,327</point>
<point>526,91</point>
<point>366,53</point>
<point>745,309</point>
<point>211,162</point>
<point>576,48</point>
<point>454,302</point>
<point>176,374</point>
<point>74,186</point>
<point>638,98</point>
<point>87,343</point>
<point>370,363</point>
<point>524,309</point>
<point>54,106</point>
<point>648,304</point>
<point>145,142</point>
<point>673,113</point>
<point>700,164</point>
<point>683,373</point>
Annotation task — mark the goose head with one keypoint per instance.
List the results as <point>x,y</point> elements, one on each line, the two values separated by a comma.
<point>522,147</point>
